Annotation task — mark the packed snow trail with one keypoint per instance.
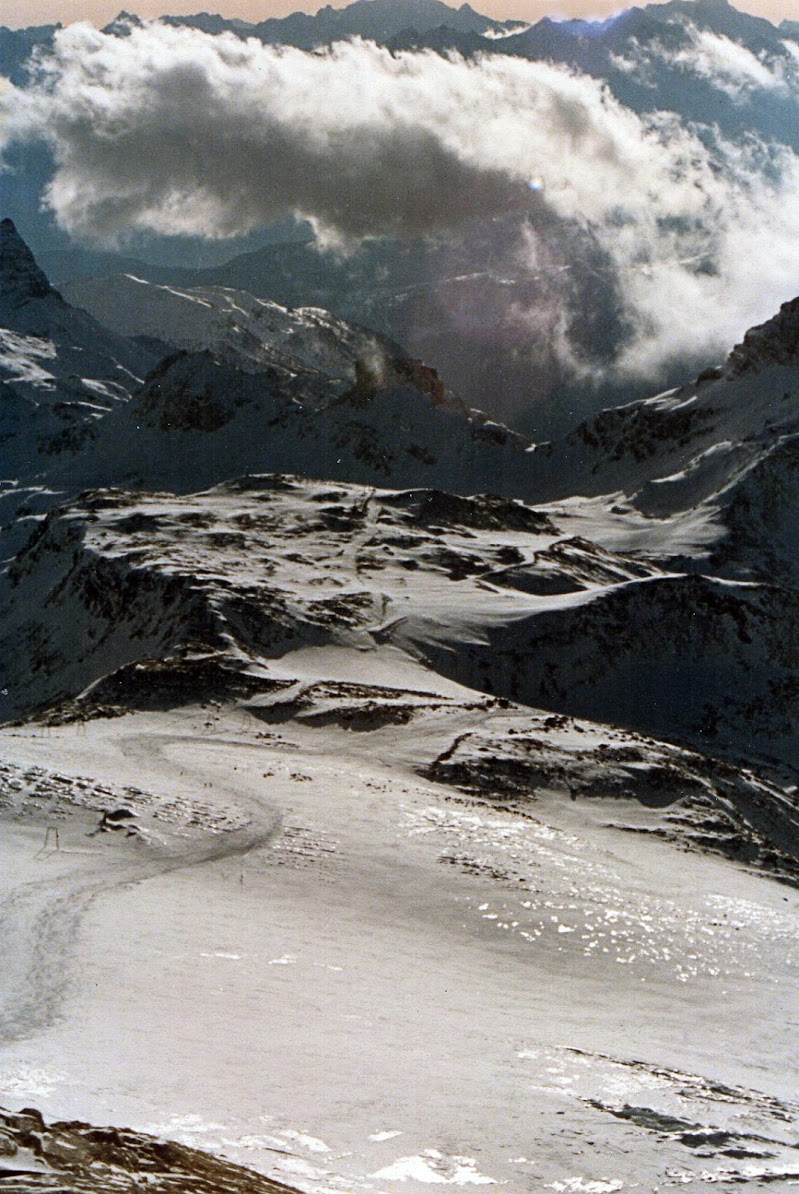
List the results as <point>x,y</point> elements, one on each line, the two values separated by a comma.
<point>41,918</point>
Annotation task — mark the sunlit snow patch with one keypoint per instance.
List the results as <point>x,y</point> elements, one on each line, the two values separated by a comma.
<point>30,1082</point>
<point>581,1185</point>
<point>310,1142</point>
<point>433,1167</point>
<point>20,356</point>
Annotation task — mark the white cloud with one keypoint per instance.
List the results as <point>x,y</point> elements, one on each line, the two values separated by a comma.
<point>731,67</point>
<point>174,131</point>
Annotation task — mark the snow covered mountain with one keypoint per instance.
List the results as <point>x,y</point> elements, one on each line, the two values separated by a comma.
<point>695,487</point>
<point>241,330</point>
<point>59,368</point>
<point>252,387</point>
<point>255,387</point>
<point>710,465</point>
<point>377,20</point>
<point>469,306</point>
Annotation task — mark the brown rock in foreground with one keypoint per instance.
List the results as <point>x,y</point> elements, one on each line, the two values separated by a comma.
<point>76,1157</point>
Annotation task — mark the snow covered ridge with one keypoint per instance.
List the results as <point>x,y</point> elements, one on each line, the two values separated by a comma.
<point>60,370</point>
<point>720,453</point>
<point>240,329</point>
<point>254,386</point>
<point>35,1155</point>
<point>153,601</point>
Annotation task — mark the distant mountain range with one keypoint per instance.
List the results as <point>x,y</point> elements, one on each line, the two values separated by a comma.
<point>640,52</point>
<point>459,301</point>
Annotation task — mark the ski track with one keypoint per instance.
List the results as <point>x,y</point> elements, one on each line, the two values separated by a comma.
<point>44,916</point>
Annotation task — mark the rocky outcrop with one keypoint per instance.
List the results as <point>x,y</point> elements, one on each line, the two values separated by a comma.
<point>36,1155</point>
<point>20,276</point>
<point>775,342</point>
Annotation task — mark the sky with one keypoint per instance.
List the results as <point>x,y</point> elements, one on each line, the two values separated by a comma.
<point>18,13</point>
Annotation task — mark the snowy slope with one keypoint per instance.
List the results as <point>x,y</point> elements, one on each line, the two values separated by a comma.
<point>240,329</point>
<point>196,422</point>
<point>59,369</point>
<point>705,472</point>
<point>203,591</point>
<point>319,783</point>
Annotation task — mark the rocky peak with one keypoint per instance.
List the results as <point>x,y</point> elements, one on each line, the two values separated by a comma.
<point>20,276</point>
<point>775,342</point>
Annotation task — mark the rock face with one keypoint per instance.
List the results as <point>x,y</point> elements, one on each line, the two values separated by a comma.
<point>20,276</point>
<point>35,1155</point>
<point>775,342</point>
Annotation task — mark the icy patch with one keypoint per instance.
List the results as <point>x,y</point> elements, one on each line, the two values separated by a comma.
<point>310,1142</point>
<point>286,960</point>
<point>583,1186</point>
<point>27,1082</point>
<point>434,1168</point>
<point>186,1128</point>
<point>21,355</point>
<point>379,1137</point>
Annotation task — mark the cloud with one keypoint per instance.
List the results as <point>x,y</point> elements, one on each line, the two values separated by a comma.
<point>725,64</point>
<point>738,275</point>
<point>177,132</point>
<point>731,67</point>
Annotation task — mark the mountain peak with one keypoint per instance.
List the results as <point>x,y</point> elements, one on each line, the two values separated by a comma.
<point>775,342</point>
<point>20,276</point>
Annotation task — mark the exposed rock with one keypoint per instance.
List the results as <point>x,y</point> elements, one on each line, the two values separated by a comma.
<point>35,1155</point>
<point>20,276</point>
<point>775,342</point>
